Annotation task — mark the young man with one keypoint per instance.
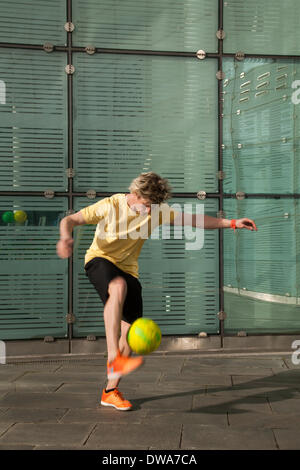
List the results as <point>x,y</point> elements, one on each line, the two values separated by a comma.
<point>124,222</point>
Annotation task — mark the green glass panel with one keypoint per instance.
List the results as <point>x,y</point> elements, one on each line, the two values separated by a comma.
<point>33,22</point>
<point>33,121</point>
<point>137,113</point>
<point>256,27</point>
<point>180,285</point>
<point>33,279</point>
<point>261,126</point>
<point>171,25</point>
<point>261,269</point>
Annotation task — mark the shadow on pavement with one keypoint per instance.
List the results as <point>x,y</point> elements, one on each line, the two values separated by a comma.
<point>282,382</point>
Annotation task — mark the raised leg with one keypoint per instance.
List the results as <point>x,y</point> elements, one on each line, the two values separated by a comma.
<point>117,290</point>
<point>124,350</point>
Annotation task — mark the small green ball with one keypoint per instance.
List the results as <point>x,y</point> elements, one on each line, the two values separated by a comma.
<point>8,217</point>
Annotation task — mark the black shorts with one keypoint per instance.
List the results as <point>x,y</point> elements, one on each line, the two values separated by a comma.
<point>101,271</point>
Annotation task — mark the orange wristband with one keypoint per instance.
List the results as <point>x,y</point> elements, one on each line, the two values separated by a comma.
<point>233,224</point>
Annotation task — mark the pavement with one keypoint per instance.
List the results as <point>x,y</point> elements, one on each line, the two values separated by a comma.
<point>187,401</point>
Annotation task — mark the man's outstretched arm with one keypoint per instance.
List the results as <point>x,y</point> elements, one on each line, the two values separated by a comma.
<point>208,222</point>
<point>213,223</point>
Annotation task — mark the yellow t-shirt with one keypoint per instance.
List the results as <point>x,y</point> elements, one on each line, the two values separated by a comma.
<point>121,232</point>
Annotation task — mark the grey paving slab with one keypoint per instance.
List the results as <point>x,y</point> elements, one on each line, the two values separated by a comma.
<point>33,366</point>
<point>71,375</point>
<point>6,386</point>
<point>156,416</point>
<point>178,381</point>
<point>36,387</point>
<point>58,447</point>
<point>253,380</point>
<point>227,369</point>
<point>272,383</point>
<point>208,404</point>
<point>47,434</point>
<point>16,447</point>
<point>87,388</point>
<point>37,382</point>
<point>163,363</point>
<point>171,401</point>
<point>124,447</point>
<point>170,388</point>
<point>245,391</point>
<point>260,372</point>
<point>69,447</point>
<point>114,435</point>
<point>4,426</point>
<point>103,414</point>
<point>249,404</point>
<point>32,415</point>
<point>288,439</point>
<point>100,363</point>
<point>284,393</point>
<point>198,378</point>
<point>98,367</point>
<point>9,375</point>
<point>285,377</point>
<point>196,436</point>
<point>248,362</point>
<point>3,395</point>
<point>96,388</point>
<point>280,404</point>
<point>39,377</point>
<point>263,420</point>
<point>49,400</point>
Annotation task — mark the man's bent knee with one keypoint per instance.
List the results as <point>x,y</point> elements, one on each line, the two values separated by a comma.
<point>118,286</point>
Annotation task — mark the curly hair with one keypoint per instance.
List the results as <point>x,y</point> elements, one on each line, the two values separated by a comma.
<point>151,186</point>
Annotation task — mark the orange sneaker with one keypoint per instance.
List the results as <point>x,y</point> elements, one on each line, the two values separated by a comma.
<point>115,399</point>
<point>122,365</point>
